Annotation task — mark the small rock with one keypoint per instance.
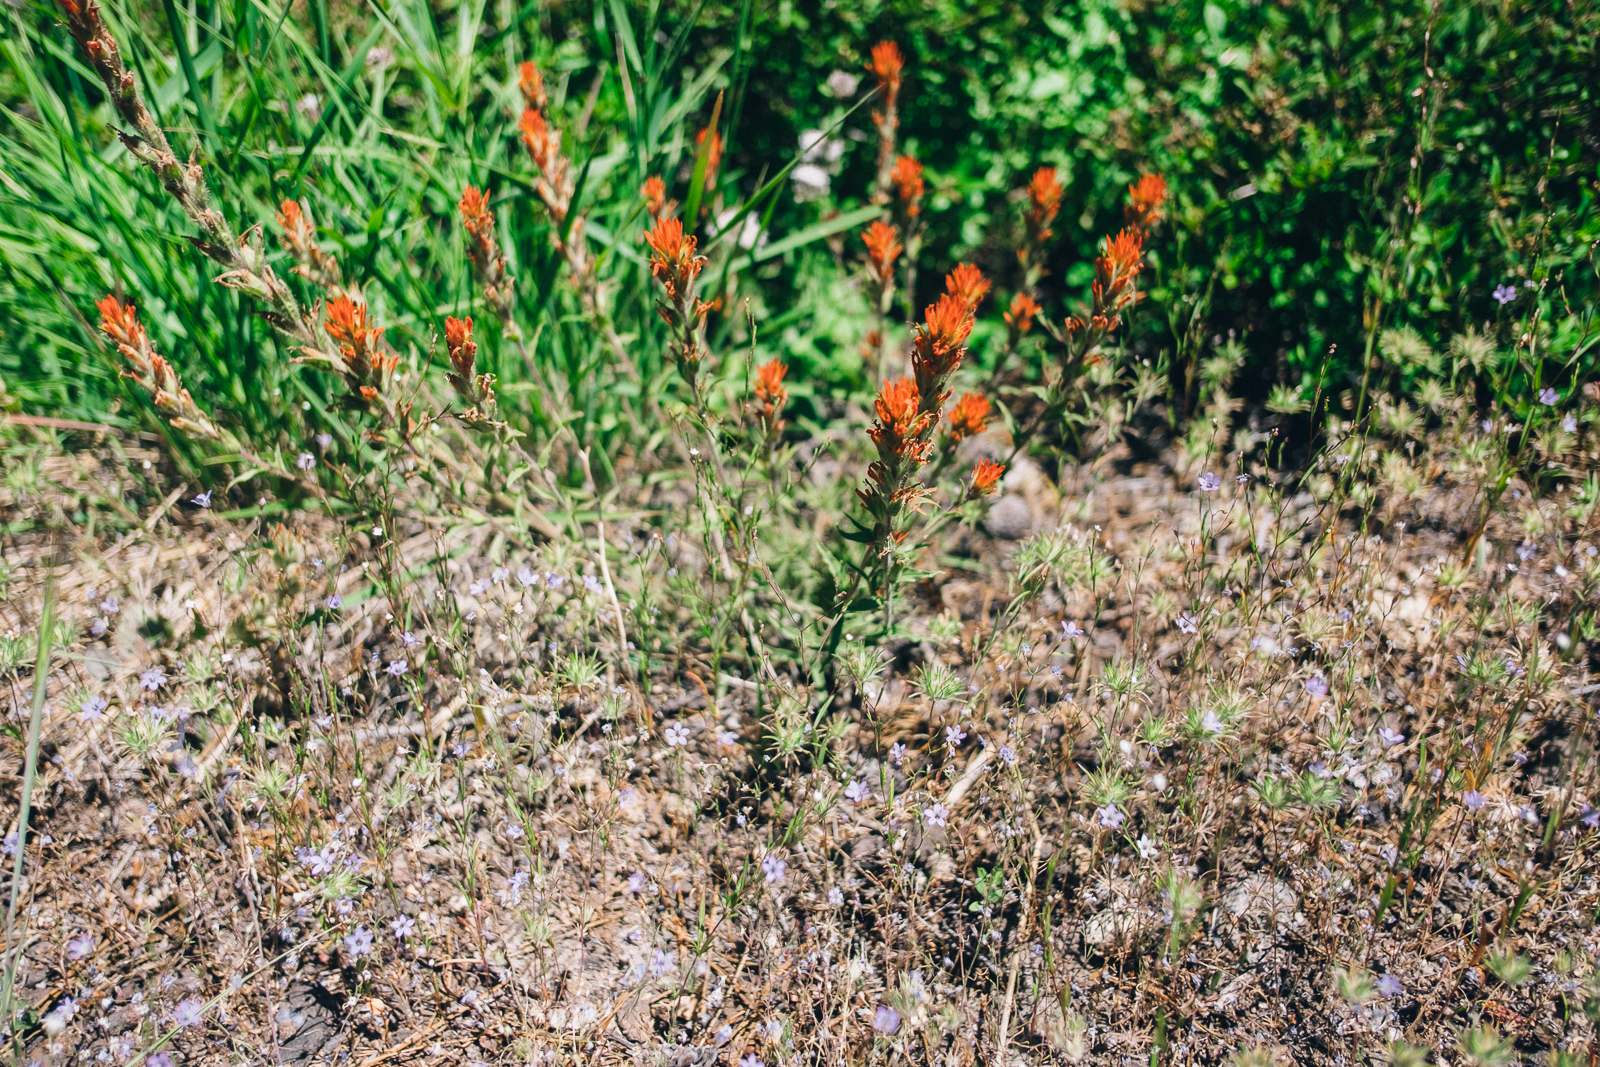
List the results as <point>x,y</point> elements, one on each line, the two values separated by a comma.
<point>1010,518</point>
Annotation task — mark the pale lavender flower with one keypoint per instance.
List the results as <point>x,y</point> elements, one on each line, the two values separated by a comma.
<point>722,1036</point>
<point>358,942</point>
<point>1472,799</point>
<point>856,792</point>
<point>187,1013</point>
<point>1070,630</point>
<point>110,605</point>
<point>553,580</point>
<point>752,1060</point>
<point>727,737</point>
<point>410,640</point>
<point>1549,397</point>
<point>1109,816</point>
<point>1390,986</point>
<point>1148,849</point>
<point>403,927</point>
<point>1570,424</point>
<point>1505,293</point>
<point>773,868</point>
<point>1188,624</point>
<point>153,679</point>
<point>1317,686</point>
<point>527,577</point>
<point>158,1059</point>
<point>203,500</point>
<point>885,1020</point>
<point>92,708</point>
<point>1209,483</point>
<point>836,896</point>
<point>80,946</point>
<point>897,753</point>
<point>592,584</point>
<point>1390,737</point>
<point>636,882</point>
<point>335,602</point>
<point>954,735</point>
<point>1009,755</point>
<point>1590,817</point>
<point>500,574</point>
<point>324,441</point>
<point>662,962</point>
<point>936,815</point>
<point>396,667</point>
<point>677,736</point>
<point>306,461</point>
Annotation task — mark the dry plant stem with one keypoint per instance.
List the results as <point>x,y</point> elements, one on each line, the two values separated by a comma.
<point>30,768</point>
<point>243,257</point>
<point>605,568</point>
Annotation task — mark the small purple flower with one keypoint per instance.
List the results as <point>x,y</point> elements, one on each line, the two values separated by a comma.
<point>662,961</point>
<point>324,441</point>
<point>836,896</point>
<point>1188,624</point>
<point>335,602</point>
<point>306,461</point>
<point>856,792</point>
<point>936,815</point>
<point>553,580</point>
<point>773,868</point>
<point>885,1020</point>
<point>1070,630</point>
<point>727,737</point>
<point>158,1059</point>
<point>752,1060</point>
<point>592,584</point>
<point>403,927</point>
<point>1241,479</point>
<point>1570,424</point>
<point>1590,817</point>
<point>722,1036</point>
<point>1008,755</point>
<point>153,679</point>
<point>1317,686</point>
<point>1109,816</point>
<point>1549,397</point>
<point>677,736</point>
<point>1390,737</point>
<point>1472,799</point>
<point>636,882</point>
<point>897,753</point>
<point>410,640</point>
<point>358,942</point>
<point>954,735</point>
<point>203,500</point>
<point>188,1013</point>
<point>1505,293</point>
<point>80,946</point>
<point>1209,483</point>
<point>92,708</point>
<point>396,667</point>
<point>110,605</point>
<point>1390,986</point>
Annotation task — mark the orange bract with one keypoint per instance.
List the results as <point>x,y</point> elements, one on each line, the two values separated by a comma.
<point>713,157</point>
<point>986,475</point>
<point>1023,309</point>
<point>967,284</point>
<point>887,63</point>
<point>121,323</point>
<point>531,82</point>
<point>1044,198</point>
<point>947,322</point>
<point>655,195</point>
<point>458,335</point>
<point>897,406</point>
<point>1145,199</point>
<point>883,248</point>
<point>475,213</point>
<point>907,177</point>
<point>769,382</point>
<point>969,417</point>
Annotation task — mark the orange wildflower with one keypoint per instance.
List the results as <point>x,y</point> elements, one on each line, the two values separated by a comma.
<point>1116,268</point>
<point>985,476</point>
<point>883,248</point>
<point>475,213</point>
<point>1145,199</point>
<point>300,241</point>
<point>969,417</point>
<point>887,63</point>
<point>544,143</point>
<point>365,366</point>
<point>907,177</point>
<point>713,157</point>
<point>531,82</point>
<point>473,387</point>
<point>769,385</point>
<point>655,196</point>
<point>1023,309</point>
<point>674,260</point>
<point>156,376</point>
<point>967,284</point>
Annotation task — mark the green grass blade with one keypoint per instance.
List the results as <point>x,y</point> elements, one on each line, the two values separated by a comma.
<point>702,160</point>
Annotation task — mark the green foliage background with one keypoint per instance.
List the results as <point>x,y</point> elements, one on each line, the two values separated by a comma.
<point>1337,169</point>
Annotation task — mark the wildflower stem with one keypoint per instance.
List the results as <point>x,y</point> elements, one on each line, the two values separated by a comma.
<point>41,676</point>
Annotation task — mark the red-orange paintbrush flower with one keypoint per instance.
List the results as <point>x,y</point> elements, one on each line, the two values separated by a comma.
<point>883,248</point>
<point>969,417</point>
<point>908,183</point>
<point>986,476</point>
<point>1023,309</point>
<point>1145,199</point>
<point>967,284</point>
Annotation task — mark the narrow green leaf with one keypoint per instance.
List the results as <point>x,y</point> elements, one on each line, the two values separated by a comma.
<point>702,160</point>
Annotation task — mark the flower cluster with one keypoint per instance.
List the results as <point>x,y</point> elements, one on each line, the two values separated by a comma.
<point>300,241</point>
<point>969,417</point>
<point>909,186</point>
<point>1019,320</point>
<point>154,375</point>
<point>366,369</point>
<point>883,249</point>
<point>476,389</point>
<point>1044,201</point>
<point>1145,200</point>
<point>967,284</point>
<point>886,64</point>
<point>655,198</point>
<point>488,261</point>
<point>673,260</point>
<point>1119,263</point>
<point>771,393</point>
